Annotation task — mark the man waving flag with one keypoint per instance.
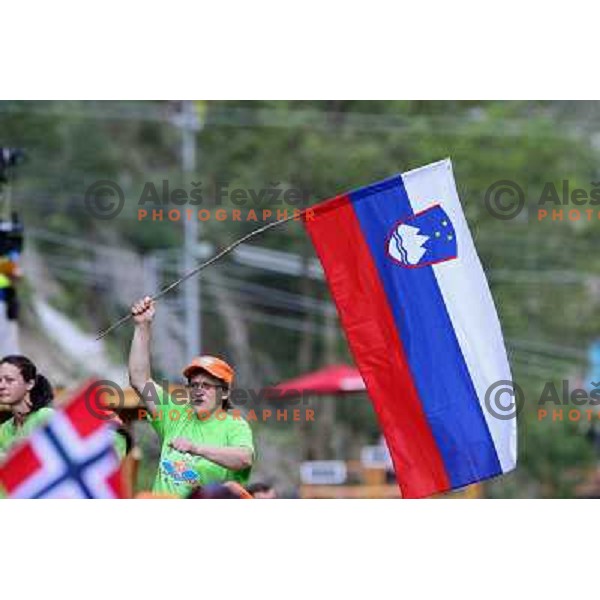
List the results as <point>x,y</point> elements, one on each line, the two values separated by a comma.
<point>421,323</point>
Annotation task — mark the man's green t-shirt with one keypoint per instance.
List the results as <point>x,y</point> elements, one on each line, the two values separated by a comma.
<point>179,472</point>
<point>10,433</point>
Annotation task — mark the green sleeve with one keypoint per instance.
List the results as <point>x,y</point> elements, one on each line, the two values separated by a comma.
<point>240,435</point>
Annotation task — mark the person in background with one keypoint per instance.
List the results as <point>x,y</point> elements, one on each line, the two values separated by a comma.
<point>28,394</point>
<point>229,490</point>
<point>124,443</point>
<point>262,491</point>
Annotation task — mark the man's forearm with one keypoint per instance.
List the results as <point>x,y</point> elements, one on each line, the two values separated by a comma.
<point>139,356</point>
<point>236,459</point>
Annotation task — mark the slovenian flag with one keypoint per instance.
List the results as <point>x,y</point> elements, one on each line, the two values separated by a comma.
<point>421,323</point>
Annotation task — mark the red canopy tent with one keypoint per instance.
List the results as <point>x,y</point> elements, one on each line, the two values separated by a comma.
<point>332,380</point>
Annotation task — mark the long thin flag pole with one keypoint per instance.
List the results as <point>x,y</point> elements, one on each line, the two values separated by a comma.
<point>199,268</point>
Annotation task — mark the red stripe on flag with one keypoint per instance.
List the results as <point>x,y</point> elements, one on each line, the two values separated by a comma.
<point>20,465</point>
<point>376,345</point>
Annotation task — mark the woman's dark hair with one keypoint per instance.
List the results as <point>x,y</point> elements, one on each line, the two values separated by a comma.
<point>41,394</point>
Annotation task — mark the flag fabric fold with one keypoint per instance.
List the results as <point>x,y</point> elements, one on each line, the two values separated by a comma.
<point>421,323</point>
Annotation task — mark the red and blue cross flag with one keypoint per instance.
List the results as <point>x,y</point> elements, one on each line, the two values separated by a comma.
<point>71,456</point>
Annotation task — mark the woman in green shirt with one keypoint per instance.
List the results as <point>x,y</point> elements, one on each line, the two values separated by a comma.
<point>28,394</point>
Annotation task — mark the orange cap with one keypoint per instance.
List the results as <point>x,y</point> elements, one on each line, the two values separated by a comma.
<point>211,364</point>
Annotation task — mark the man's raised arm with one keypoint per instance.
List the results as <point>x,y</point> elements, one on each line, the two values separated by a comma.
<point>139,356</point>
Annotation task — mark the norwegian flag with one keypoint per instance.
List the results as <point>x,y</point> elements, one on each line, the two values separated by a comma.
<point>71,456</point>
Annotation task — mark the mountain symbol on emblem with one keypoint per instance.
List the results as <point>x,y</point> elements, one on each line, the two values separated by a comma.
<point>423,239</point>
